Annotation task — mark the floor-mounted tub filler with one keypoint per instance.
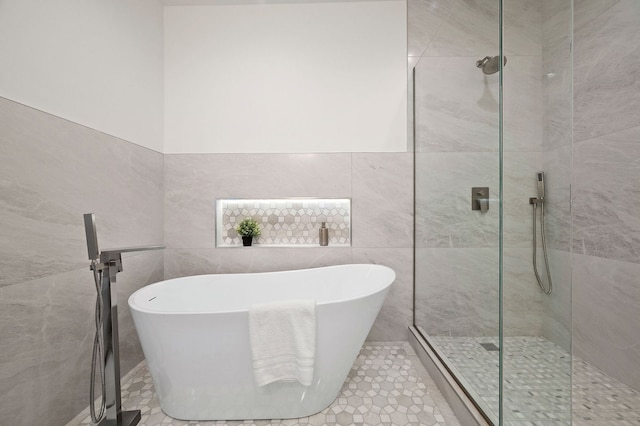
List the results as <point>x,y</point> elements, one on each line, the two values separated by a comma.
<point>195,336</point>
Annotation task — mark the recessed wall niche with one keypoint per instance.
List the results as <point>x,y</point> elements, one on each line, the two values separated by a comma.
<point>286,221</point>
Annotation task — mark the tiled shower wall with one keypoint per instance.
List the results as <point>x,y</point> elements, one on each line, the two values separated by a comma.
<point>380,186</point>
<point>457,136</point>
<point>556,163</point>
<point>606,201</point>
<point>51,172</point>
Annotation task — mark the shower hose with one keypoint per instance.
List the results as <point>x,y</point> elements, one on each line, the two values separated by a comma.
<point>97,358</point>
<point>544,248</point>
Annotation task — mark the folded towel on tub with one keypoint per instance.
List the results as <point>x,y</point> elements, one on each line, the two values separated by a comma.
<point>283,341</point>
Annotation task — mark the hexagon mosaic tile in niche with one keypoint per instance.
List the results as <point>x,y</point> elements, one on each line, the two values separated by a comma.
<point>285,222</point>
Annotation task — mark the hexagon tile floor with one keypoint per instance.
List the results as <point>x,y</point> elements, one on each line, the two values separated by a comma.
<point>387,385</point>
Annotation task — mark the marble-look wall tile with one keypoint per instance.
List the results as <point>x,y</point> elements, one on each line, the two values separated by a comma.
<point>46,332</point>
<point>556,24</point>
<point>443,199</point>
<point>519,184</point>
<point>382,205</point>
<point>456,291</point>
<point>522,27</point>
<point>46,329</point>
<point>556,320</point>
<point>424,19</point>
<point>557,86</point>
<point>586,11</point>
<point>606,308</point>
<point>472,29</point>
<point>51,172</point>
<point>522,111</point>
<point>556,164</point>
<point>557,73</point>
<point>186,262</point>
<point>193,182</point>
<point>522,299</point>
<point>456,106</point>
<point>606,68</point>
<point>606,196</point>
<point>380,186</point>
<point>396,314</point>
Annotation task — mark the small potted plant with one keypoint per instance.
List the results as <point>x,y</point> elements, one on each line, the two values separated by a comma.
<point>247,229</point>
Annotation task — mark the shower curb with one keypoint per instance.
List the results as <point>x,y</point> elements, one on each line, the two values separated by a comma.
<point>464,409</point>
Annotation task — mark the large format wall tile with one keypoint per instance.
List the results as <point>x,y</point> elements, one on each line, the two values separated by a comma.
<point>194,182</point>
<point>606,198</point>
<point>586,11</point>
<point>557,83</point>
<point>396,314</point>
<point>556,321</point>
<point>185,262</point>
<point>522,110</point>
<point>606,68</point>
<point>46,329</point>
<point>380,186</point>
<point>456,291</point>
<point>51,172</point>
<point>424,19</point>
<point>456,106</point>
<point>556,165</point>
<point>522,299</point>
<point>382,200</point>
<point>444,217</point>
<point>519,184</point>
<point>606,308</point>
<point>472,29</point>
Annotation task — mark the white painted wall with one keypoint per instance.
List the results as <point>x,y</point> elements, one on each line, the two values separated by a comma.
<point>95,62</point>
<point>311,77</point>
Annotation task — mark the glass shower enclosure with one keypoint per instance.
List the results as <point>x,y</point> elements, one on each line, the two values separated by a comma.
<point>492,140</point>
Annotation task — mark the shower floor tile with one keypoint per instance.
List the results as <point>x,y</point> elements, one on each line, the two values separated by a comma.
<point>537,381</point>
<point>401,393</point>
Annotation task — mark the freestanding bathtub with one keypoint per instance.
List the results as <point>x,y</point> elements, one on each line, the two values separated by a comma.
<point>195,336</point>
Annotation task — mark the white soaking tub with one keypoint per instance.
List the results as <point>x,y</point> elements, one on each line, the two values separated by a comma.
<point>195,336</point>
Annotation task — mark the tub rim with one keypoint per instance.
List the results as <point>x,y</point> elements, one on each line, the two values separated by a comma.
<point>138,308</point>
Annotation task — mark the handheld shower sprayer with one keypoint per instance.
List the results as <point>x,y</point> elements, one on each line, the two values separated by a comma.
<point>540,177</point>
<point>534,204</point>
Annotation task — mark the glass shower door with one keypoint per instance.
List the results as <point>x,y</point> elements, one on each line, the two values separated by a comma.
<point>472,266</point>
<point>536,176</point>
<point>457,117</point>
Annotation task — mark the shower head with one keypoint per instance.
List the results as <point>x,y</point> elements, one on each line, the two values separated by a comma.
<point>489,64</point>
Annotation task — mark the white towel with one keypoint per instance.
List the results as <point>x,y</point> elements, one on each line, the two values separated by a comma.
<point>283,341</point>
